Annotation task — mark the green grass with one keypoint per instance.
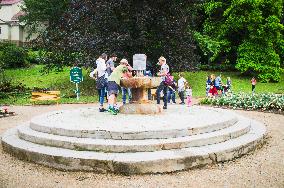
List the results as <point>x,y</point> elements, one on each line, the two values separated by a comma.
<point>33,77</point>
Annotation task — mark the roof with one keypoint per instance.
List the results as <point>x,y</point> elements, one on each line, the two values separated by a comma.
<point>9,2</point>
<point>17,16</point>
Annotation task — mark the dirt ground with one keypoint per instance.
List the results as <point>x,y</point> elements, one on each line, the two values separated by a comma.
<point>262,168</point>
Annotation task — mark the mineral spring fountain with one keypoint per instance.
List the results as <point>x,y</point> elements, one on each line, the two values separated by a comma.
<point>142,139</point>
<point>139,86</point>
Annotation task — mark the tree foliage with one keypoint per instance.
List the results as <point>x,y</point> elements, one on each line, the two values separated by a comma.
<point>247,33</point>
<point>75,29</point>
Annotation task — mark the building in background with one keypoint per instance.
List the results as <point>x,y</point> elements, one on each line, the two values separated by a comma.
<point>11,29</point>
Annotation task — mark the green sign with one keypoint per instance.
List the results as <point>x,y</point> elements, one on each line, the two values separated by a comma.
<point>76,75</point>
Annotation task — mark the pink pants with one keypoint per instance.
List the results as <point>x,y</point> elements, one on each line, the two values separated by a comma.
<point>188,100</point>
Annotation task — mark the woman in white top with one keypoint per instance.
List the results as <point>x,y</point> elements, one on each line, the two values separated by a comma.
<point>101,79</point>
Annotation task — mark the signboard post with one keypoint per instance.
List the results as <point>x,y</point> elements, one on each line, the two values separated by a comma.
<point>76,76</point>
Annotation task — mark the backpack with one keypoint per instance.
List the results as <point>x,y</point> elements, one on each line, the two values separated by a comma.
<point>169,79</point>
<point>101,82</point>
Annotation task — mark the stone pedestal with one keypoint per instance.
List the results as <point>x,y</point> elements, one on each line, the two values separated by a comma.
<point>140,109</point>
<point>140,103</point>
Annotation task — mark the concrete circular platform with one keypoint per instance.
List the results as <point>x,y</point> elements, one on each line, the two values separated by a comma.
<point>175,122</point>
<point>176,117</point>
<point>177,139</point>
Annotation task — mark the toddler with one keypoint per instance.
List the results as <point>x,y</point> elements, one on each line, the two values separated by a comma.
<point>188,93</point>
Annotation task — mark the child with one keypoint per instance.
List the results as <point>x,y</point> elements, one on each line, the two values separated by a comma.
<point>253,83</point>
<point>181,87</point>
<point>172,93</point>
<point>228,85</point>
<point>148,73</point>
<point>218,83</point>
<point>213,91</point>
<point>188,93</point>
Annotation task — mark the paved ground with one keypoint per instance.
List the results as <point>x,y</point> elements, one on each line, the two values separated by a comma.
<point>263,168</point>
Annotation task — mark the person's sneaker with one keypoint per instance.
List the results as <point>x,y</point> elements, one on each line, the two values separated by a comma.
<point>164,107</point>
<point>182,103</point>
<point>102,110</point>
<point>117,110</point>
<point>113,111</point>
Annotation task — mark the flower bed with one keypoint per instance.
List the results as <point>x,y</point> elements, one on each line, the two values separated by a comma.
<point>263,102</point>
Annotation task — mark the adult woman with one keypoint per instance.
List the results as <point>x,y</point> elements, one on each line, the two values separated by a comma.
<point>163,87</point>
<point>101,83</point>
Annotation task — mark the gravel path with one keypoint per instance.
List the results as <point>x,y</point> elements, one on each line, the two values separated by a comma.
<point>263,168</point>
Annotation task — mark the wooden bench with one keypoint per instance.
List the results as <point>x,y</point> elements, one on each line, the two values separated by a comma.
<point>46,96</point>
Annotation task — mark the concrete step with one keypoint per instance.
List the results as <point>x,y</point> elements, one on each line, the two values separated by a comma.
<point>110,145</point>
<point>138,135</point>
<point>174,123</point>
<point>133,163</point>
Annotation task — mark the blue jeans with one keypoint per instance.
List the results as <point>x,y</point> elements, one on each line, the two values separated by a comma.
<point>162,87</point>
<point>171,95</point>
<point>124,91</point>
<point>181,96</point>
<point>101,95</point>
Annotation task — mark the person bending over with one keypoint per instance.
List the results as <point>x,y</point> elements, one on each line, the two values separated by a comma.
<point>114,83</point>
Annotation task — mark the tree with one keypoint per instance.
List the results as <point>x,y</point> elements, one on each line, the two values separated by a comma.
<point>247,33</point>
<point>81,30</point>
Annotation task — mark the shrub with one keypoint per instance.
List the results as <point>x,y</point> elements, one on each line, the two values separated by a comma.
<point>7,87</point>
<point>264,102</point>
<point>33,57</point>
<point>261,59</point>
<point>12,56</point>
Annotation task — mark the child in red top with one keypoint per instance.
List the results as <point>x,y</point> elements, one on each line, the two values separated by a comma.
<point>213,91</point>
